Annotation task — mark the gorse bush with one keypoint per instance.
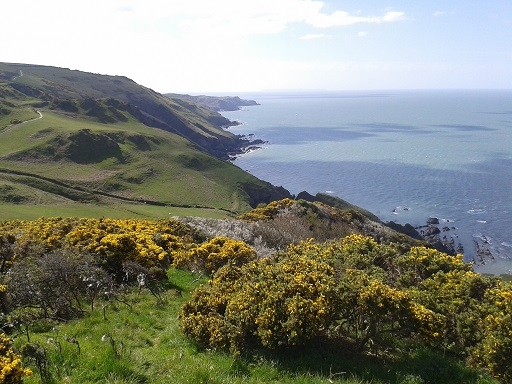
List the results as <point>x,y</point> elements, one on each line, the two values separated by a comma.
<point>266,212</point>
<point>149,243</point>
<point>11,370</point>
<point>358,292</point>
<point>495,347</point>
<point>273,303</point>
<point>273,285</point>
<point>213,254</point>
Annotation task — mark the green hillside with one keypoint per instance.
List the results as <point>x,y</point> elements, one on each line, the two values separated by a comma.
<point>55,87</point>
<point>75,139</point>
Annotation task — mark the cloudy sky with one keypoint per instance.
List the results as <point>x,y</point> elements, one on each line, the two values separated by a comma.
<point>214,46</point>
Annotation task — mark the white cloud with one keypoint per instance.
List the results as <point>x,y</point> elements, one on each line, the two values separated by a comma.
<point>241,17</point>
<point>314,36</point>
<point>341,18</point>
<point>441,13</point>
<point>175,45</point>
<point>362,34</point>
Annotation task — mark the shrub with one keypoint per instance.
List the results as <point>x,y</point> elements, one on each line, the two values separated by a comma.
<point>268,211</point>
<point>353,289</point>
<point>284,229</point>
<point>421,263</point>
<point>271,303</point>
<point>53,284</point>
<point>149,243</point>
<point>211,255</point>
<point>495,348</point>
<point>11,371</point>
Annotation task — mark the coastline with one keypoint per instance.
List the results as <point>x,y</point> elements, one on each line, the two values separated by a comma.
<point>372,154</point>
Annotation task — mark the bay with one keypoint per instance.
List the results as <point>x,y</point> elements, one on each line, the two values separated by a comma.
<point>403,155</point>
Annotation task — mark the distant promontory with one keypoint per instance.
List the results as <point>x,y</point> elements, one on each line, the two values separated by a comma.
<point>216,103</point>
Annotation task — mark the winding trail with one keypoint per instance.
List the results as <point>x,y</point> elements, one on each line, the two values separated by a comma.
<point>15,77</point>
<point>8,127</point>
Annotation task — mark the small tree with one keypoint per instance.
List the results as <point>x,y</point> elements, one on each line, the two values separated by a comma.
<point>53,284</point>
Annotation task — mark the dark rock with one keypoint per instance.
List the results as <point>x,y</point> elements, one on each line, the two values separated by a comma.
<point>264,193</point>
<point>406,229</point>
<point>444,247</point>
<point>432,220</point>
<point>306,196</point>
<point>431,234</point>
<point>431,230</point>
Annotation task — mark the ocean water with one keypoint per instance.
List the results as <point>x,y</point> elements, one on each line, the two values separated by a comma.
<point>404,155</point>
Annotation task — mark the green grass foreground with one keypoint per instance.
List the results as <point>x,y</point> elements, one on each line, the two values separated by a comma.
<point>140,341</point>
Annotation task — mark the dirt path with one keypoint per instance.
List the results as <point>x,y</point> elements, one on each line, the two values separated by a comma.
<point>15,77</point>
<point>7,128</point>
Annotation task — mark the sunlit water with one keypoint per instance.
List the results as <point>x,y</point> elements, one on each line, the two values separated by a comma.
<point>405,156</point>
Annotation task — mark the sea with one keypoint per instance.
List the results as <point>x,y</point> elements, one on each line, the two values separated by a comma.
<point>406,156</point>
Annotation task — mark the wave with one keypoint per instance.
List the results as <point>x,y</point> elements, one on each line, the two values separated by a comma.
<point>476,211</point>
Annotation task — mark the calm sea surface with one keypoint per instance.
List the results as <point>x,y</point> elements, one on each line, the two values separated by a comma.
<point>404,155</point>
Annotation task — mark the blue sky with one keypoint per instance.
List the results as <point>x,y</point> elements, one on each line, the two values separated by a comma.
<point>215,46</point>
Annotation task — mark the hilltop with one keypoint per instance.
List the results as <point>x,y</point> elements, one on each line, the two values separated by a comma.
<point>70,138</point>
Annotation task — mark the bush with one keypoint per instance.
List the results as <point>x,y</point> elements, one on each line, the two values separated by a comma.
<point>354,290</point>
<point>54,284</point>
<point>266,212</point>
<point>149,243</point>
<point>271,303</point>
<point>495,349</point>
<point>11,371</point>
<point>211,255</point>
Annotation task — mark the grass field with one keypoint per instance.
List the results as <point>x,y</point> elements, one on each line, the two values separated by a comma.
<point>74,137</point>
<point>151,165</point>
<point>118,211</point>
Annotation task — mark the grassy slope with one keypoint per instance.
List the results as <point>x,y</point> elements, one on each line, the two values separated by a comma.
<point>56,163</point>
<point>170,172</point>
<point>190,120</point>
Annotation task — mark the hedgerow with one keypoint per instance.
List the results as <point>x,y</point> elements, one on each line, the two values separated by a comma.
<point>149,243</point>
